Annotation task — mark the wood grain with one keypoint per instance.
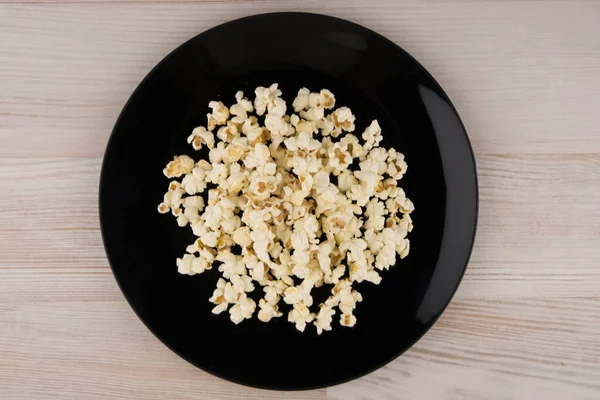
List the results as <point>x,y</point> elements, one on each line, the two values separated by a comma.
<point>519,74</point>
<point>525,323</point>
<point>517,298</point>
<point>495,349</point>
<point>54,2</point>
<point>91,350</point>
<point>526,208</point>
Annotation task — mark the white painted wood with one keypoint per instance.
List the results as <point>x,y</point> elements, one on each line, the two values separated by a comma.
<point>495,349</point>
<point>524,76</point>
<point>521,73</point>
<point>89,350</point>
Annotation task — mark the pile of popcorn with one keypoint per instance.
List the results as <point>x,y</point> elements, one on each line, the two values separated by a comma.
<point>286,194</point>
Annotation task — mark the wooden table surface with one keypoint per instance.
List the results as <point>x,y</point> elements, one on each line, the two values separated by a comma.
<point>525,77</point>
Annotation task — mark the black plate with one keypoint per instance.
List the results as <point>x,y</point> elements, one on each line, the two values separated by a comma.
<point>376,79</point>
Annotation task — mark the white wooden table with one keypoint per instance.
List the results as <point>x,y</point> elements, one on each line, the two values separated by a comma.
<point>525,77</point>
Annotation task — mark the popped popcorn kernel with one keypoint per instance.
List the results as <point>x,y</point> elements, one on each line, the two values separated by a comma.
<point>289,197</point>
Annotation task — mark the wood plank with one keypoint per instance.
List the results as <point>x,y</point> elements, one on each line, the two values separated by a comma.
<point>49,216</point>
<point>490,349</point>
<point>523,348</point>
<point>93,350</point>
<point>528,86</point>
<point>531,241</point>
<point>538,233</point>
<point>58,2</point>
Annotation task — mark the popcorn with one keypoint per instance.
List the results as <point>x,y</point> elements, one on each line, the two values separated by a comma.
<point>326,126</point>
<point>182,220</point>
<point>218,297</point>
<point>163,208</point>
<point>179,166</point>
<point>300,316</point>
<point>271,295</point>
<point>323,319</point>
<point>200,136</point>
<point>173,199</point>
<point>403,248</point>
<point>327,99</point>
<point>288,194</point>
<point>261,241</point>
<point>293,295</point>
<point>252,130</point>
<point>277,107</point>
<point>277,125</point>
<point>375,211</point>
<point>372,135</point>
<point>243,309</point>
<point>348,320</point>
<point>301,125</point>
<point>343,120</point>
<point>217,174</point>
<point>212,216</point>
<point>259,155</point>
<point>346,180</point>
<point>265,97</point>
<point>407,207</point>
<point>192,265</point>
<point>267,311</point>
<point>219,115</point>
<point>192,185</point>
<point>242,236</point>
<point>231,264</point>
<point>209,239</point>
<point>241,283</point>
<point>244,102</point>
<point>353,146</point>
<point>301,101</point>
<point>313,114</point>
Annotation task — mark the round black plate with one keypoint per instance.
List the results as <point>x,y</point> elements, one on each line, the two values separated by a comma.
<point>376,79</point>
